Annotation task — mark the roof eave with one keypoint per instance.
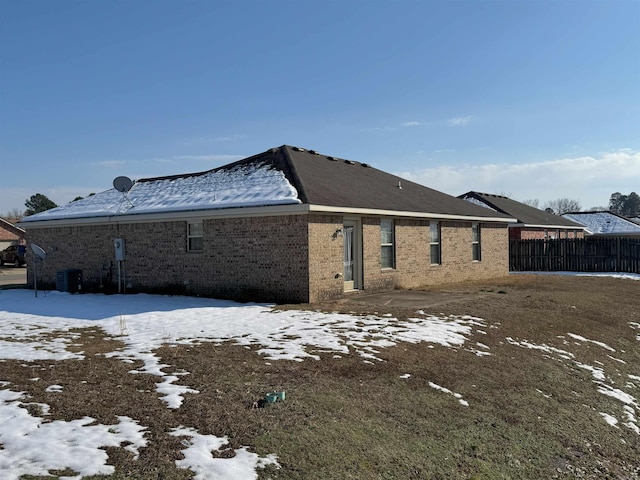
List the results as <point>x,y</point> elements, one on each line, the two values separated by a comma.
<point>398,213</point>
<point>531,225</point>
<point>615,234</point>
<point>267,210</point>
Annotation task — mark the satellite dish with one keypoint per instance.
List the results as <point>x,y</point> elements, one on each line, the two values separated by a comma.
<point>122,184</point>
<point>38,251</point>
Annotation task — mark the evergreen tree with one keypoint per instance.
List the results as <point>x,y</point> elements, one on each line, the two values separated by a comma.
<point>632,205</point>
<point>616,202</point>
<point>627,205</point>
<point>38,203</point>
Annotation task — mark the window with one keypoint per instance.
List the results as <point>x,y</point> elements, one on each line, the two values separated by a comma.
<point>475,241</point>
<point>387,254</point>
<point>194,237</point>
<point>435,252</point>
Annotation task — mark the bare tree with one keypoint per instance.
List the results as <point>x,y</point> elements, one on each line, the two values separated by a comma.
<point>14,215</point>
<point>503,193</point>
<point>532,202</point>
<point>563,205</point>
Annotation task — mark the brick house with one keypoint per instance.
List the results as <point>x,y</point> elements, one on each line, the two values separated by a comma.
<point>532,223</point>
<point>10,234</point>
<point>286,225</point>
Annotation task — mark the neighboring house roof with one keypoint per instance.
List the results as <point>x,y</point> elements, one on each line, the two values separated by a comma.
<point>288,177</point>
<point>604,223</point>
<point>9,231</point>
<point>527,215</point>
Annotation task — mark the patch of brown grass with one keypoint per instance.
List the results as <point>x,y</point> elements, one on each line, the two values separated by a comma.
<point>531,414</point>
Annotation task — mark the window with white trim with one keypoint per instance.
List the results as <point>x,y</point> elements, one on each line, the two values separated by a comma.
<point>475,242</point>
<point>435,252</point>
<point>194,237</point>
<point>387,244</point>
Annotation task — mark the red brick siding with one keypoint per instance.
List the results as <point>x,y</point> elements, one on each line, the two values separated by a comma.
<point>529,233</point>
<point>10,233</point>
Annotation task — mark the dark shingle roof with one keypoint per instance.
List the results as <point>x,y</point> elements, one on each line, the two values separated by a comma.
<point>283,176</point>
<point>336,182</point>
<point>525,214</point>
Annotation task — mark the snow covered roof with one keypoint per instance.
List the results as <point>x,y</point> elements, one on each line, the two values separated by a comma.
<point>604,223</point>
<point>240,186</point>
<point>477,201</point>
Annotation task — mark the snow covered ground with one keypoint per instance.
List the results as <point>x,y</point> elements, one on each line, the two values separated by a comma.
<point>44,328</point>
<point>606,383</point>
<point>41,328</point>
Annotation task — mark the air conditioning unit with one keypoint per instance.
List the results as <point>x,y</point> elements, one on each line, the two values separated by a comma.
<point>69,281</point>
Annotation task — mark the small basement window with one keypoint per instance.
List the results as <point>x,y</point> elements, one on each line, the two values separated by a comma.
<point>194,237</point>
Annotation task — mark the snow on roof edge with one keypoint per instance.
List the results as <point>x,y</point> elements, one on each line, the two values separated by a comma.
<point>252,185</point>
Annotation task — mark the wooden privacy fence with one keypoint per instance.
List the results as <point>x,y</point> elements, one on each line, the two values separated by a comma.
<point>616,254</point>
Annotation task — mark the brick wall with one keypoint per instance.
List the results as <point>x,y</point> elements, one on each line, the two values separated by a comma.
<point>457,257</point>
<point>258,259</point>
<point>293,259</point>
<point>413,264</point>
<point>326,258</point>
<point>529,233</point>
<point>375,278</point>
<point>86,248</point>
<point>10,234</point>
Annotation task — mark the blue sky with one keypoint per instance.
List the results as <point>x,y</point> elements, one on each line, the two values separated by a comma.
<point>533,99</point>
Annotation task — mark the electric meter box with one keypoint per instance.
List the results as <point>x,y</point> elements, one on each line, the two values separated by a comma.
<point>118,244</point>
